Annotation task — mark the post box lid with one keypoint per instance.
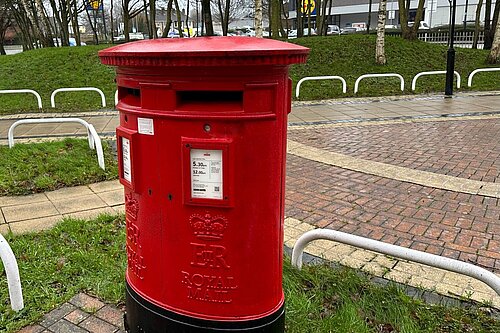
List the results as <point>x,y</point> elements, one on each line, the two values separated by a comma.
<point>204,51</point>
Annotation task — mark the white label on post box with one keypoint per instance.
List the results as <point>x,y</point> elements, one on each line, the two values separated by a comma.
<point>206,174</point>
<point>145,126</point>
<point>127,172</point>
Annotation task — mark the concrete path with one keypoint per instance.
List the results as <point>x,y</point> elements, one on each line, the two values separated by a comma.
<point>420,172</point>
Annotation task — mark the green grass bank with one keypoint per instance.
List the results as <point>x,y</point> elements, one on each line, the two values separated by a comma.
<point>39,167</point>
<point>348,56</point>
<point>89,256</point>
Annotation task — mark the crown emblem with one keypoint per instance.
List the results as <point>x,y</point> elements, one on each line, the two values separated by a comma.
<point>131,206</point>
<point>208,227</point>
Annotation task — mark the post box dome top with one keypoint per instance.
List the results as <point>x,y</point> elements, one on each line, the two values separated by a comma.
<point>204,51</point>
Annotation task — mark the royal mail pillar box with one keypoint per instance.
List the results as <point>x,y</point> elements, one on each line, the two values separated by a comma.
<point>201,151</point>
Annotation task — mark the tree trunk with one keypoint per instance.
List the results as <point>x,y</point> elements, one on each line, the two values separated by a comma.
<point>146,17</point>
<point>168,22</point>
<point>319,17</point>
<point>111,17</point>
<point>258,18</point>
<point>309,27</point>
<point>494,56</point>
<point>226,15</point>
<point>380,44</point>
<point>487,26</point>
<point>369,21</point>
<point>179,19</point>
<point>300,22</point>
<point>74,23</point>
<point>496,13</point>
<point>152,17</point>
<point>410,33</point>
<point>222,17</point>
<point>275,19</point>
<point>96,38</point>
<point>187,20</point>
<point>403,20</point>
<point>477,27</point>
<point>207,17</point>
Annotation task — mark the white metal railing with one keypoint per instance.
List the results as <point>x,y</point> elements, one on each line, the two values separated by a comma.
<point>356,84</point>
<point>461,38</point>
<point>12,272</point>
<point>474,72</point>
<point>24,91</point>
<point>53,95</point>
<point>315,78</point>
<point>432,260</point>
<point>414,81</point>
<point>93,137</point>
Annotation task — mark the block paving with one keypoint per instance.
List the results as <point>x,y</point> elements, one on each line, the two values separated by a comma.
<point>419,172</point>
<point>459,148</point>
<point>81,314</point>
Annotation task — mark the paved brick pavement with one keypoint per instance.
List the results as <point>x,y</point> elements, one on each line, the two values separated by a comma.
<point>81,314</point>
<point>409,176</point>
<point>456,225</point>
<point>460,148</point>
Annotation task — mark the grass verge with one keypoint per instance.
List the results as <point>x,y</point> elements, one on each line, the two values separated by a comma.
<point>354,55</point>
<point>349,56</point>
<point>39,167</point>
<point>45,70</point>
<point>90,256</point>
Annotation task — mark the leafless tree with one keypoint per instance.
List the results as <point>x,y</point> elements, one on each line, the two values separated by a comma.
<point>477,26</point>
<point>130,9</point>
<point>5,23</point>
<point>408,32</point>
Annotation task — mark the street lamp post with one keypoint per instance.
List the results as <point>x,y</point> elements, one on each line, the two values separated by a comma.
<point>450,62</point>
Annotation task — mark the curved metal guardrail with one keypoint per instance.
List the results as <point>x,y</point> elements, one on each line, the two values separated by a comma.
<point>365,76</point>
<point>24,91</point>
<point>479,70</point>
<point>414,81</point>
<point>12,272</point>
<point>93,137</point>
<point>433,260</point>
<point>55,92</point>
<point>315,78</point>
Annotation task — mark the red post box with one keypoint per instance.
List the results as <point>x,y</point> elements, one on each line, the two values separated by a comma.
<point>201,150</point>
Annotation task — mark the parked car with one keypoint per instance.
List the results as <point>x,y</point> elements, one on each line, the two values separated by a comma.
<point>306,32</point>
<point>422,26</point>
<point>333,30</point>
<point>348,30</point>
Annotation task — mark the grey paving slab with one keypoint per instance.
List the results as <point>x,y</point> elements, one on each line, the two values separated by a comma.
<point>68,192</point>
<point>35,225</point>
<point>80,203</point>
<point>25,212</point>
<point>22,200</point>
<point>112,198</point>
<point>105,186</point>
<point>91,213</point>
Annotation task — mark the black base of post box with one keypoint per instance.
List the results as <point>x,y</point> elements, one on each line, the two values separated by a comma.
<point>145,317</point>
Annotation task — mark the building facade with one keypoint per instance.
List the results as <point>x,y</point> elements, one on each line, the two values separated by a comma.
<point>436,12</point>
